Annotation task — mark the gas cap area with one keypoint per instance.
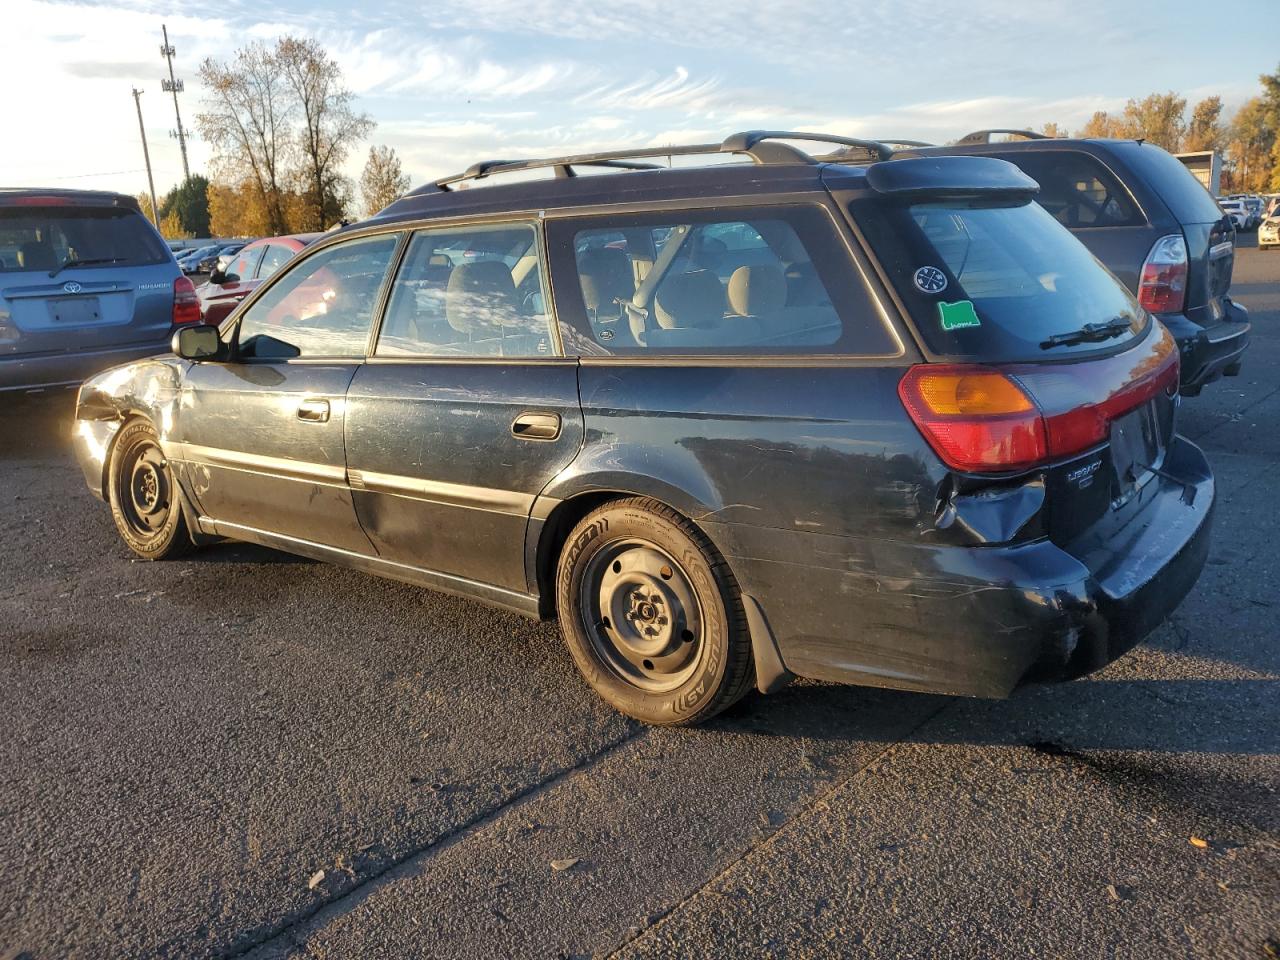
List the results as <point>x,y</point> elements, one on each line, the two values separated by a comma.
<point>992,514</point>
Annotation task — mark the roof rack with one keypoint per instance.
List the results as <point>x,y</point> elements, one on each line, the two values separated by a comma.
<point>761,145</point>
<point>984,136</point>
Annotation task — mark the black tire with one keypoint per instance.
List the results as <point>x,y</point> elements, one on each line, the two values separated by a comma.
<point>652,614</point>
<point>144,496</point>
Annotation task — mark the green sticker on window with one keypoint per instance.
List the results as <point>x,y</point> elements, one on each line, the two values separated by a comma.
<point>958,315</point>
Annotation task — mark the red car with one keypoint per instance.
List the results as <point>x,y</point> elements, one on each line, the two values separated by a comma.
<point>221,293</point>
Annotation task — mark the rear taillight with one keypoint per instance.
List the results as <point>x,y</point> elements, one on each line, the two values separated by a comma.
<point>186,305</point>
<point>989,419</point>
<point>975,418</point>
<point>1162,287</point>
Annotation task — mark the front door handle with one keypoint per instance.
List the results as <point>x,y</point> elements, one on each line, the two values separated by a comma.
<point>536,426</point>
<point>314,411</point>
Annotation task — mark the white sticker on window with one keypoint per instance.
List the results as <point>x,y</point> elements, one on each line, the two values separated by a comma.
<point>930,280</point>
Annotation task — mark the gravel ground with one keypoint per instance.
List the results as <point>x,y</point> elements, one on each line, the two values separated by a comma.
<point>244,753</point>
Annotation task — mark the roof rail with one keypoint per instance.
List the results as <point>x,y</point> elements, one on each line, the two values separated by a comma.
<point>760,145</point>
<point>984,136</point>
<point>895,142</point>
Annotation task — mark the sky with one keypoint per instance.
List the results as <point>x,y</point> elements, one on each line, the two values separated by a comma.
<point>452,83</point>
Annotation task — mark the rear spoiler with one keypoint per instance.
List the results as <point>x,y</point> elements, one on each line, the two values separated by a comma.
<point>950,176</point>
<point>55,197</point>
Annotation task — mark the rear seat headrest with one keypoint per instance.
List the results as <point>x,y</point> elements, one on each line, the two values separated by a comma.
<point>605,274</point>
<point>694,299</point>
<point>757,290</point>
<point>480,296</point>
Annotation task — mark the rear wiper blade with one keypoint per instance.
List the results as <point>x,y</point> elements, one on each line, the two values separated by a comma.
<point>73,262</point>
<point>1089,333</point>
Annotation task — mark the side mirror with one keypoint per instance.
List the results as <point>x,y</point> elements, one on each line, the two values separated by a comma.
<point>218,277</point>
<point>197,342</point>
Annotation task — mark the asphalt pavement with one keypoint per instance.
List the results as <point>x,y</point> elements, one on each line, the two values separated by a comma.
<point>248,754</point>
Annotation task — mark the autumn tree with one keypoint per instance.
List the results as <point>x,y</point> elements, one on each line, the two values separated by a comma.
<point>1252,139</point>
<point>188,204</point>
<point>1101,125</point>
<point>1271,107</point>
<point>1158,119</point>
<point>382,181</point>
<point>1204,132</point>
<point>331,126</point>
<point>1055,130</point>
<point>247,119</point>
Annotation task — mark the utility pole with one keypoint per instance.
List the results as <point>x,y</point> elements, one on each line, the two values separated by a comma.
<point>175,87</point>
<point>155,210</point>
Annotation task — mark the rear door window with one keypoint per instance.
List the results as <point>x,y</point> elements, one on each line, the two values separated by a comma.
<point>770,280</point>
<point>995,282</point>
<point>1077,189</point>
<point>36,238</point>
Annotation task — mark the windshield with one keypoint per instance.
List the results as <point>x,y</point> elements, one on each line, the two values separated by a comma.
<point>997,282</point>
<point>36,238</point>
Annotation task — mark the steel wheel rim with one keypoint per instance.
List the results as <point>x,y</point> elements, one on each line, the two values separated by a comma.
<point>642,615</point>
<point>146,489</point>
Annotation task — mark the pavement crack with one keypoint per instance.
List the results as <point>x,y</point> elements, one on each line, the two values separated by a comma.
<point>815,803</point>
<point>284,934</point>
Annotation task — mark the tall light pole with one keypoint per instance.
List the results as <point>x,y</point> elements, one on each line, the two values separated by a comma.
<point>146,155</point>
<point>174,86</point>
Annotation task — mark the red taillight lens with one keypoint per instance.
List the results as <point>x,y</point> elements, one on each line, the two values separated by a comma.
<point>186,305</point>
<point>986,419</point>
<point>39,202</point>
<point>1162,287</point>
<point>975,418</point>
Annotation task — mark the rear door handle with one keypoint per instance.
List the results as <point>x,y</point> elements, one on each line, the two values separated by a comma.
<point>314,411</point>
<point>536,426</point>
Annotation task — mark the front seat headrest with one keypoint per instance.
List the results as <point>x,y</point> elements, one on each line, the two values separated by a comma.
<point>480,297</point>
<point>605,274</point>
<point>757,290</point>
<point>693,299</point>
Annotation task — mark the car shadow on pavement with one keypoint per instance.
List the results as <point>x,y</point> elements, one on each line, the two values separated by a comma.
<point>1184,716</point>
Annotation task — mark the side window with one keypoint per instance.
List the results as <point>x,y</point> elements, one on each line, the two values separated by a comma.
<point>275,258</point>
<point>1077,189</point>
<point>757,281</point>
<point>324,307</point>
<point>243,264</point>
<point>469,292</point>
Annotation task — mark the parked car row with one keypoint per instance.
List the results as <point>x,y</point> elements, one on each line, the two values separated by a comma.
<point>858,414</point>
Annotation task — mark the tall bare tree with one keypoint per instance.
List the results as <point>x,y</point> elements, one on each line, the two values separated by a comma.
<point>331,126</point>
<point>247,116</point>
<point>382,180</point>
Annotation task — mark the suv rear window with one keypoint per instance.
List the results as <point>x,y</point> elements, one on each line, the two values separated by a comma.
<point>37,238</point>
<point>1077,189</point>
<point>993,282</point>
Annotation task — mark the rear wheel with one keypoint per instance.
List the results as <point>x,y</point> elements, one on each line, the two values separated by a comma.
<point>144,495</point>
<point>652,614</point>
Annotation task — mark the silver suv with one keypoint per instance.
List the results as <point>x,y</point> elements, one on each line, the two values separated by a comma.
<point>86,282</point>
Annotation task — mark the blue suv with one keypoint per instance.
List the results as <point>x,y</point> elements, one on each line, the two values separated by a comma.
<point>85,282</point>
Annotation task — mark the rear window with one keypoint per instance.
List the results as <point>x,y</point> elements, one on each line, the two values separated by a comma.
<point>1183,194</point>
<point>1078,190</point>
<point>36,238</point>
<point>993,282</point>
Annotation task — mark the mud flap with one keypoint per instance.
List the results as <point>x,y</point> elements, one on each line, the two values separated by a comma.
<point>771,674</point>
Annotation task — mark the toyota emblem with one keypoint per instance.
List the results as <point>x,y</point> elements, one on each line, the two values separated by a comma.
<point>71,287</point>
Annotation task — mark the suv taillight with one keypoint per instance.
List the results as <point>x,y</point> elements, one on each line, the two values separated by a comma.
<point>186,305</point>
<point>988,419</point>
<point>1162,287</point>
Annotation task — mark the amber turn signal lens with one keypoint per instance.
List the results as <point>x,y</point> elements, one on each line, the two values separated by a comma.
<point>971,394</point>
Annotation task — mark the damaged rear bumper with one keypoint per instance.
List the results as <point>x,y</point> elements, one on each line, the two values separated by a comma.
<point>973,620</point>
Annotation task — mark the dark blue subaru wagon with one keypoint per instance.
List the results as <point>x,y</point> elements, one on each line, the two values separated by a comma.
<point>881,421</point>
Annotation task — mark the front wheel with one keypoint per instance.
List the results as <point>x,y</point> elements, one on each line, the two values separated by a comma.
<point>144,495</point>
<point>653,615</point>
